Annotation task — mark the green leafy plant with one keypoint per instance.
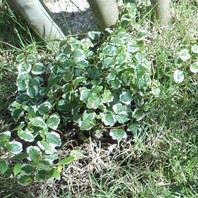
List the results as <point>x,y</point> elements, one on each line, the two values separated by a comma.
<point>92,89</point>
<point>93,86</point>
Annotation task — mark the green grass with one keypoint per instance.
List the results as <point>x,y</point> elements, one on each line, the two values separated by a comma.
<point>161,160</point>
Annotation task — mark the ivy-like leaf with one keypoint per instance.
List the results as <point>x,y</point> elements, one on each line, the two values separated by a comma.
<point>24,68</point>
<point>88,121</point>
<point>38,69</point>
<point>34,153</point>
<point>109,62</point>
<point>54,139</point>
<point>84,94</point>
<point>79,80</point>
<point>138,114</point>
<point>46,147</point>
<point>32,91</point>
<point>118,134</point>
<point>44,107</point>
<point>184,55</point>
<point>93,102</point>
<point>194,49</point>
<point>38,122</point>
<point>22,81</point>
<point>122,118</point>
<point>110,50</point>
<point>194,67</point>
<point>108,118</point>
<point>126,97</point>
<point>24,180</point>
<point>107,96</point>
<point>120,109</point>
<point>4,138</point>
<point>178,76</point>
<point>14,147</point>
<point>53,121</point>
<point>26,135</point>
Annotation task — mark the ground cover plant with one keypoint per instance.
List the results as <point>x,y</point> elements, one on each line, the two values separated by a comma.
<point>129,96</point>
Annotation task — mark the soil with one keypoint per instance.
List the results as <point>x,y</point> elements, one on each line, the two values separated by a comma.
<point>72,16</point>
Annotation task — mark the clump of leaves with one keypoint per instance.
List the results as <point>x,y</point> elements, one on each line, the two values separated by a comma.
<point>92,87</point>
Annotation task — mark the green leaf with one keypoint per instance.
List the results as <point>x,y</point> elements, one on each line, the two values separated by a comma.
<point>26,135</point>
<point>46,147</point>
<point>115,84</point>
<point>16,110</point>
<point>44,175</point>
<point>54,139</point>
<point>87,124</point>
<point>3,167</point>
<point>17,169</point>
<point>87,121</point>
<point>38,122</point>
<point>44,107</point>
<point>194,67</point>
<point>32,91</point>
<point>24,180</point>
<point>67,160</point>
<point>51,157</point>
<point>134,128</point>
<point>194,49</point>
<point>93,102</point>
<point>56,174</point>
<point>82,63</point>
<point>178,76</point>
<point>84,93</point>
<point>122,118</point>
<point>24,68</point>
<point>14,147</point>
<point>4,138</point>
<point>120,109</point>
<point>20,57</point>
<point>53,121</point>
<point>107,96</point>
<point>21,156</point>
<point>38,69</point>
<point>126,97</point>
<point>108,118</point>
<point>96,89</point>
<point>34,153</point>
<point>68,76</point>
<point>27,169</point>
<point>184,55</point>
<point>79,80</point>
<point>94,35</point>
<point>31,57</point>
<point>109,62</point>
<point>118,134</point>
<point>22,81</point>
<point>110,50</point>
<point>138,114</point>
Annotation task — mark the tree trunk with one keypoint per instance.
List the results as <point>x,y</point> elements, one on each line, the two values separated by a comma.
<point>162,11</point>
<point>37,17</point>
<point>106,12</point>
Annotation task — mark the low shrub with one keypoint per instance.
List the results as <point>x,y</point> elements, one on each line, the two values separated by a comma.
<point>94,86</point>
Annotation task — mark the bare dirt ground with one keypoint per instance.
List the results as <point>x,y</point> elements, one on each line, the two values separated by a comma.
<point>72,16</point>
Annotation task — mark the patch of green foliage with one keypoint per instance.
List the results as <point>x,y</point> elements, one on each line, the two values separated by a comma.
<point>111,85</point>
